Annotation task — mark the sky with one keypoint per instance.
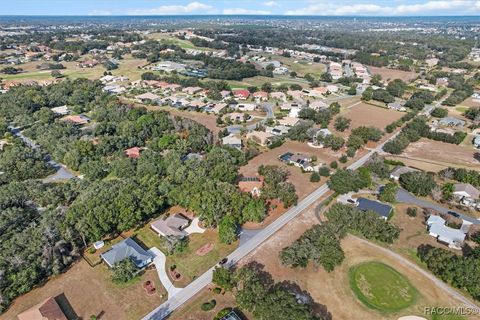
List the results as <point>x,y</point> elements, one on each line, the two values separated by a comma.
<point>234,7</point>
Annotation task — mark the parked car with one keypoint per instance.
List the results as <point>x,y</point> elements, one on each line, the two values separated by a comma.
<point>454,214</point>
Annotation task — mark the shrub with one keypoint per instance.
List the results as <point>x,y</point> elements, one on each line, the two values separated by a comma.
<point>343,158</point>
<point>324,171</point>
<point>315,177</point>
<point>334,165</point>
<point>412,212</point>
<point>217,290</point>
<point>207,306</point>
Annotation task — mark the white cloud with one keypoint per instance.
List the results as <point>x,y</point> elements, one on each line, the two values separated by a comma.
<point>191,8</point>
<point>425,8</point>
<point>100,13</point>
<point>244,11</point>
<point>270,4</point>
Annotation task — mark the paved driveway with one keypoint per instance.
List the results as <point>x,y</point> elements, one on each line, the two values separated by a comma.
<point>160,260</point>
<point>405,197</point>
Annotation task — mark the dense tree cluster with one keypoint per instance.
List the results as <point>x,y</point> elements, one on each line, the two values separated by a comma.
<point>321,243</point>
<point>459,271</point>
<point>418,182</point>
<point>258,294</point>
<point>276,185</point>
<point>462,175</point>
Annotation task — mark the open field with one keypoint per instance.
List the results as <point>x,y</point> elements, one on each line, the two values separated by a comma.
<point>91,292</point>
<point>470,102</point>
<point>208,120</point>
<point>442,153</point>
<point>390,74</point>
<point>168,38</point>
<point>364,114</point>
<point>381,287</point>
<point>332,290</point>
<point>301,67</point>
<point>128,67</point>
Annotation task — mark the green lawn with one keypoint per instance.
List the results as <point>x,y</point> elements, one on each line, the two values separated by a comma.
<point>381,287</point>
<point>188,263</point>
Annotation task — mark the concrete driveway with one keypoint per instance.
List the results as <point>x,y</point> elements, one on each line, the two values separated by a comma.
<point>405,197</point>
<point>160,261</point>
<point>194,227</point>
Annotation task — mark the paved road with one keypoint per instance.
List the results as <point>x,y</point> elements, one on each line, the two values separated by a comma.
<point>439,283</point>
<point>406,197</point>
<point>235,129</point>
<point>254,242</point>
<point>62,172</point>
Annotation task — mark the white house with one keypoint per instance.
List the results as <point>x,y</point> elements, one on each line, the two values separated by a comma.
<point>452,237</point>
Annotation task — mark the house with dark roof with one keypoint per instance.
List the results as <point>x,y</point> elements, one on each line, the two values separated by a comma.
<point>127,249</point>
<point>383,210</point>
<point>46,310</point>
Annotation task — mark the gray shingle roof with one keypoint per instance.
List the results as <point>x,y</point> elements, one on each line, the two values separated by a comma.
<point>127,248</point>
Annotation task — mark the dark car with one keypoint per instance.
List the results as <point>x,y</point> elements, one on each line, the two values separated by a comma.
<point>453,213</point>
<point>223,261</point>
<point>351,201</point>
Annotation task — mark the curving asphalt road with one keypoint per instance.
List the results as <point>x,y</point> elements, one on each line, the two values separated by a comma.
<point>251,244</point>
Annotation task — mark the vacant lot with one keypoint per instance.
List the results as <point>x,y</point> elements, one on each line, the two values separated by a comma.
<point>258,81</point>
<point>381,287</point>
<point>390,74</point>
<point>470,102</point>
<point>332,290</point>
<point>442,153</point>
<point>208,120</point>
<point>363,114</point>
<point>91,292</point>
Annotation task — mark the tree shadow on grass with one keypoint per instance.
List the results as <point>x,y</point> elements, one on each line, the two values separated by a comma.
<point>306,298</point>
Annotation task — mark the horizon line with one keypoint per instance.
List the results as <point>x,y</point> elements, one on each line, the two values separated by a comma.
<point>234,15</point>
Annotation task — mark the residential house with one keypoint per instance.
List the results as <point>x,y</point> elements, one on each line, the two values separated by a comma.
<point>76,119</point>
<point>133,153</point>
<point>317,105</point>
<point>442,82</point>
<point>171,226</point>
<point>278,96</point>
<point>454,238</point>
<point>217,108</point>
<point>232,141</point>
<point>127,249</point>
<point>169,66</point>
<point>252,185</point>
<point>320,133</point>
<point>46,310</point>
<point>294,112</point>
<point>246,106</point>
<point>289,106</point>
<point>241,94</point>
<point>88,64</point>
<point>260,96</point>
<point>396,106</point>
<point>399,170</point>
<point>278,130</point>
<point>62,110</point>
<point>451,122</point>
<point>302,161</point>
<point>147,97</point>
<point>192,90</point>
<point>289,121</point>
<point>466,194</point>
<point>383,210</point>
<point>197,104</point>
<point>225,94</point>
<point>260,137</point>
<point>476,141</point>
<point>235,116</point>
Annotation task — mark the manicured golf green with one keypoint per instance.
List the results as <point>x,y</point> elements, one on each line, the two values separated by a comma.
<point>381,287</point>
